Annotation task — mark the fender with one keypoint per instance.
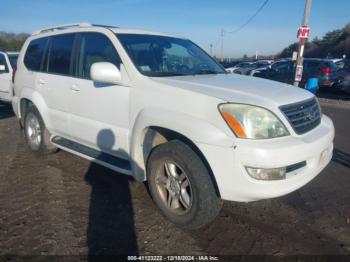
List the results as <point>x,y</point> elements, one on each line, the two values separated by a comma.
<point>39,102</point>
<point>195,129</point>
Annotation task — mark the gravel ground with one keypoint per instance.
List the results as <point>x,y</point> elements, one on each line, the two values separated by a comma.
<point>63,205</point>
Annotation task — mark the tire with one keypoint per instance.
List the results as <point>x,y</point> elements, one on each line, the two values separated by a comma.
<point>194,202</point>
<point>36,134</point>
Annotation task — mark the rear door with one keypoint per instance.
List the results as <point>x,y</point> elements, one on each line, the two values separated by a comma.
<point>5,78</point>
<point>54,81</point>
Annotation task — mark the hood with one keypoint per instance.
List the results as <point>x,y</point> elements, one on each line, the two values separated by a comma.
<point>239,88</point>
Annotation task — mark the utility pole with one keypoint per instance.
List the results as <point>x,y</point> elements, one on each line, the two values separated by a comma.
<point>211,49</point>
<point>222,45</point>
<point>302,34</point>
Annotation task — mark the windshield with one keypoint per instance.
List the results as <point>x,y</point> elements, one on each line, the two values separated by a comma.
<point>155,55</point>
<point>13,60</point>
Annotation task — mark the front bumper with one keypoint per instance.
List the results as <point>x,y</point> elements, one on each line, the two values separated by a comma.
<point>234,183</point>
<point>327,82</point>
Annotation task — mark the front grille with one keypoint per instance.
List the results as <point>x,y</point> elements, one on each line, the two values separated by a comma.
<point>303,116</point>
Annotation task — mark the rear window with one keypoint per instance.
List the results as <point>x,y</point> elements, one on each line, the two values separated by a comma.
<point>60,54</point>
<point>34,54</point>
<point>329,64</point>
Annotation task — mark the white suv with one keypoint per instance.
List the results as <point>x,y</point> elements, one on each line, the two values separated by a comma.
<point>8,62</point>
<point>158,108</point>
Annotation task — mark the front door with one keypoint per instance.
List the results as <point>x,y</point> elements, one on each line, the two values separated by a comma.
<point>99,112</point>
<point>5,79</point>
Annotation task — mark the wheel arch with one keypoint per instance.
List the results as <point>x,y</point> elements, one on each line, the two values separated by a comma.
<point>154,127</point>
<point>29,97</point>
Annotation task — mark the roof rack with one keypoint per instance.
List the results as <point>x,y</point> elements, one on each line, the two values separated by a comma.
<point>61,27</point>
<point>105,26</point>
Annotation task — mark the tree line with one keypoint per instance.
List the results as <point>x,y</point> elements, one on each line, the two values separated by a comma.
<point>11,41</point>
<point>333,44</point>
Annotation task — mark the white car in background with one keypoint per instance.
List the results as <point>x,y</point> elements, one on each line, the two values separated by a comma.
<point>158,108</point>
<point>8,62</point>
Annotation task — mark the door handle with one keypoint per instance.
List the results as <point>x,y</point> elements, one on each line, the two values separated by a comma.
<point>75,88</point>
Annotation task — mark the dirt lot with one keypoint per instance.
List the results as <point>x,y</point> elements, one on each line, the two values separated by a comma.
<point>62,204</point>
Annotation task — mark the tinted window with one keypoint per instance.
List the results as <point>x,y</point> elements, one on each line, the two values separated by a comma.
<point>13,60</point>
<point>60,54</point>
<point>261,64</point>
<point>155,55</point>
<point>329,64</point>
<point>312,65</point>
<point>34,54</point>
<point>244,65</point>
<point>95,47</point>
<point>284,66</point>
<point>3,62</point>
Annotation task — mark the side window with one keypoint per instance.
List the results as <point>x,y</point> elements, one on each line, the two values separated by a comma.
<point>3,63</point>
<point>282,67</point>
<point>95,47</point>
<point>312,66</point>
<point>34,54</point>
<point>60,54</point>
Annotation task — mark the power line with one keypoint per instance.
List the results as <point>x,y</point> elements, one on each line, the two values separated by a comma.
<point>250,19</point>
<point>221,38</point>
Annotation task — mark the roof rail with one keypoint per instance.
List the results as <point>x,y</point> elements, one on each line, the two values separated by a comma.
<point>60,27</point>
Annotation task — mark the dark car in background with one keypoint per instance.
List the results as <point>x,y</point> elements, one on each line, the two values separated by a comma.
<point>230,64</point>
<point>246,68</point>
<point>284,71</point>
<point>344,75</point>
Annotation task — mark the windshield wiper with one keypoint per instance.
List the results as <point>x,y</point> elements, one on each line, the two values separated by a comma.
<point>206,72</point>
<point>159,74</point>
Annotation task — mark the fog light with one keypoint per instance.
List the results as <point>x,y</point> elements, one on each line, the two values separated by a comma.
<point>267,173</point>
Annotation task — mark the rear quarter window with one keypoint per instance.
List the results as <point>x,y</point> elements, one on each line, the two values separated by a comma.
<point>34,54</point>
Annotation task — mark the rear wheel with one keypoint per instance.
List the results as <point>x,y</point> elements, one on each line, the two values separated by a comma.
<point>181,186</point>
<point>36,134</point>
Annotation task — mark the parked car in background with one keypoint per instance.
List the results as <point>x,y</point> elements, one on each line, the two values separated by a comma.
<point>231,64</point>
<point>284,71</point>
<point>260,65</point>
<point>8,63</point>
<point>240,68</point>
<point>344,75</point>
<point>246,67</point>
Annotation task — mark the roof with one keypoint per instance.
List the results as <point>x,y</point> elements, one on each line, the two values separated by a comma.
<point>115,29</point>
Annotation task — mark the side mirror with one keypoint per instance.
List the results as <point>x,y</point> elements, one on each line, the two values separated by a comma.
<point>105,72</point>
<point>2,68</point>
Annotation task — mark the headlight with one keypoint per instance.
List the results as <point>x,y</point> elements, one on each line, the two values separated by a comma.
<point>252,122</point>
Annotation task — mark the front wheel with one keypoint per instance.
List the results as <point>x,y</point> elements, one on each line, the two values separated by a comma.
<point>181,186</point>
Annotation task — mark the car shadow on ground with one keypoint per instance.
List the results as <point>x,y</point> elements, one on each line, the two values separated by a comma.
<point>111,229</point>
<point>341,157</point>
<point>5,110</point>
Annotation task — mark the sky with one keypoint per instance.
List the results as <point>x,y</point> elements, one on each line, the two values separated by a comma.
<point>200,20</point>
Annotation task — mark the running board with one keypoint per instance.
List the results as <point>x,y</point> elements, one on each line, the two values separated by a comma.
<point>115,163</point>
